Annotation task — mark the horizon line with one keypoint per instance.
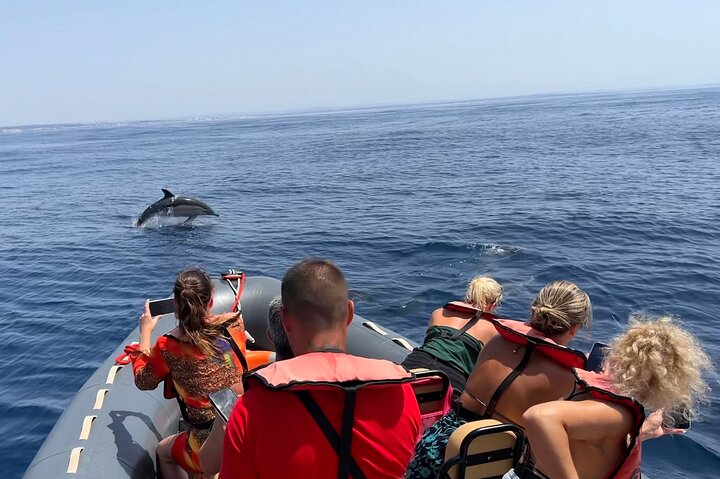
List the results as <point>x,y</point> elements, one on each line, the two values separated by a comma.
<point>363,107</point>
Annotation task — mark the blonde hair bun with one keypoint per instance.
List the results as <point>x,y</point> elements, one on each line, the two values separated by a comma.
<point>559,306</point>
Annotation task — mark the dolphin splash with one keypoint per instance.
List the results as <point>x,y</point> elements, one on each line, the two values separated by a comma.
<point>175,206</point>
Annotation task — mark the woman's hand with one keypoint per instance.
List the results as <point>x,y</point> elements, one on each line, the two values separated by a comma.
<point>147,325</point>
<point>148,321</point>
<point>653,427</point>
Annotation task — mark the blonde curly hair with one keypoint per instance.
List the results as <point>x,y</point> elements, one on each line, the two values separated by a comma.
<point>483,292</point>
<point>559,306</point>
<point>659,364</point>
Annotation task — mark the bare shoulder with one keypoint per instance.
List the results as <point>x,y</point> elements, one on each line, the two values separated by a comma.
<point>484,331</point>
<point>496,346</point>
<point>437,317</point>
<point>584,420</point>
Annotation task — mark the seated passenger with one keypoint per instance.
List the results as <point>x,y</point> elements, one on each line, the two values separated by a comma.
<point>526,364</point>
<point>276,332</point>
<point>453,340</point>
<point>323,413</point>
<point>595,435</point>
<point>196,359</point>
<point>211,451</point>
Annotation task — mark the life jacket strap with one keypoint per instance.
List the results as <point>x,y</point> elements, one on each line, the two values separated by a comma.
<point>236,349</point>
<point>490,409</point>
<point>468,342</point>
<point>526,470</point>
<point>341,443</point>
<point>346,429</point>
<point>472,322</point>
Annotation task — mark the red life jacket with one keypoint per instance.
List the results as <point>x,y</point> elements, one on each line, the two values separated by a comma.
<point>331,371</point>
<point>599,387</point>
<point>518,332</point>
<point>467,308</point>
<point>461,306</point>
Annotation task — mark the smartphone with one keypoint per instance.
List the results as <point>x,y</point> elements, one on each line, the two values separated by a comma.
<point>596,357</point>
<point>223,402</point>
<point>676,420</point>
<point>162,306</point>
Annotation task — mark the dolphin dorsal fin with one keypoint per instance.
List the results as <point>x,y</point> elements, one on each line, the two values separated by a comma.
<point>168,194</point>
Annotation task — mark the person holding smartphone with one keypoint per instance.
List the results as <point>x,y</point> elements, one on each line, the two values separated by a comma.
<point>597,434</point>
<point>194,359</point>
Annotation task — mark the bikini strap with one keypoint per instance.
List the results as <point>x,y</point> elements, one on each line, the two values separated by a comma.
<point>576,392</point>
<point>490,409</point>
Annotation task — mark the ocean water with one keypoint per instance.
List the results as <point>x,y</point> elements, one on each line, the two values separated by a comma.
<point>617,192</point>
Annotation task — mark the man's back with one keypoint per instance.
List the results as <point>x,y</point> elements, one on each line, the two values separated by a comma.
<point>271,434</point>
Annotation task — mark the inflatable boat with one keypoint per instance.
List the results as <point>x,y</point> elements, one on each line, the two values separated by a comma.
<point>110,429</point>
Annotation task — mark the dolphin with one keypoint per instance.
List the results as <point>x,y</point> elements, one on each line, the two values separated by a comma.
<point>171,205</point>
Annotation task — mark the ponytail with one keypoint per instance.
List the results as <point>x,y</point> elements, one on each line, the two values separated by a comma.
<point>193,292</point>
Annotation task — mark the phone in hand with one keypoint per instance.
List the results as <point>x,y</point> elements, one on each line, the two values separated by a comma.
<point>223,402</point>
<point>676,420</point>
<point>595,359</point>
<point>162,306</point>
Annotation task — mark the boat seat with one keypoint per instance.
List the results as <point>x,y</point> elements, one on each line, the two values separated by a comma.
<point>433,393</point>
<point>484,449</point>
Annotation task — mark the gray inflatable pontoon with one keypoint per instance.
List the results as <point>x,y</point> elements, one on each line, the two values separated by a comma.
<point>110,429</point>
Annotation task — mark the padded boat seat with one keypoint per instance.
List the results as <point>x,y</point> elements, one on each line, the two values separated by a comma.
<point>484,449</point>
<point>433,393</point>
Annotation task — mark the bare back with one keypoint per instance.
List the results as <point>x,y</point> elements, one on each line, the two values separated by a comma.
<point>595,457</point>
<point>583,436</point>
<point>483,330</point>
<point>542,380</point>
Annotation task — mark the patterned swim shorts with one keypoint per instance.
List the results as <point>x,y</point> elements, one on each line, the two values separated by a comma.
<point>430,451</point>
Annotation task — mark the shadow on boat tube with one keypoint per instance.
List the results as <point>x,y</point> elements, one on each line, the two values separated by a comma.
<point>126,447</point>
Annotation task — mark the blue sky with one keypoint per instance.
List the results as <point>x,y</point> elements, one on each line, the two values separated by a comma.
<point>85,61</point>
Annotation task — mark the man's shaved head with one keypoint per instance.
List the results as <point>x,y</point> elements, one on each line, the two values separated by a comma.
<point>315,291</point>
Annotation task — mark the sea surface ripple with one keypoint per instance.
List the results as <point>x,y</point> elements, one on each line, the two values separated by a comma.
<point>617,192</point>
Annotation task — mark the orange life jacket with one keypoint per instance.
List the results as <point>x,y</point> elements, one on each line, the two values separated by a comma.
<point>599,387</point>
<point>237,340</point>
<point>238,343</point>
<point>257,358</point>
